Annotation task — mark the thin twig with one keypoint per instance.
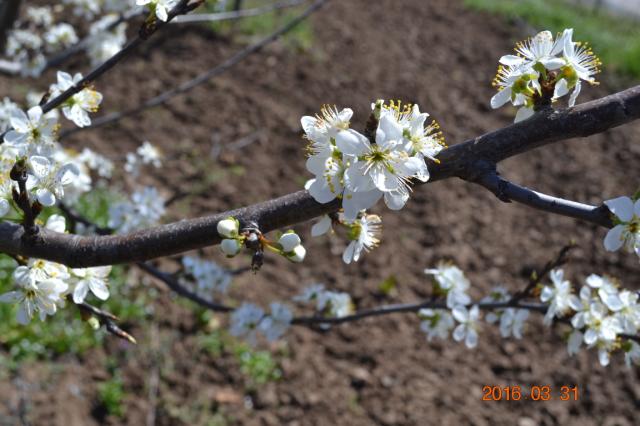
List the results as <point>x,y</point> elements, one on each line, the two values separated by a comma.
<point>508,191</point>
<point>202,78</point>
<point>537,277</point>
<point>184,6</point>
<point>237,14</point>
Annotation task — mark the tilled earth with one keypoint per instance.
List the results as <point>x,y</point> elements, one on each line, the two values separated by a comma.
<point>380,370</point>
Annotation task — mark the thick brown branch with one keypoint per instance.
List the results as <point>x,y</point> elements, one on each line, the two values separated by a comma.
<point>465,160</point>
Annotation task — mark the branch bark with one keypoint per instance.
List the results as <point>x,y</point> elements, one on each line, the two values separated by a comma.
<point>467,160</point>
<point>8,14</point>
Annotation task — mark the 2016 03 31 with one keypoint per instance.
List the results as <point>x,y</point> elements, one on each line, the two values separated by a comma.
<point>530,393</point>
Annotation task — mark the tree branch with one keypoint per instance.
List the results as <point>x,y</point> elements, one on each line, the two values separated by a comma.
<point>507,191</point>
<point>184,6</point>
<point>8,14</point>
<point>466,160</point>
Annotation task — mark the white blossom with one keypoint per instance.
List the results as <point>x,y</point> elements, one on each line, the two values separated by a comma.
<point>47,180</point>
<point>149,154</point>
<point>161,8</point>
<point>91,279</point>
<point>558,296</point>
<point>512,322</point>
<point>273,326</point>
<point>452,281</point>
<point>626,233</point>
<point>32,128</point>
<point>145,209</point>
<point>245,321</point>
<point>42,298</point>
<point>436,323</point>
<point>78,106</point>
<point>60,36</point>
<point>209,277</point>
<point>364,234</point>
<point>467,329</point>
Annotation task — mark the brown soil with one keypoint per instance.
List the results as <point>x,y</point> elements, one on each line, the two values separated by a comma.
<point>377,371</point>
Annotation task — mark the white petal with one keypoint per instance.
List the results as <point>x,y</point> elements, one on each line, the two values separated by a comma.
<point>622,207</point>
<point>80,292</point>
<point>553,63</point>
<point>523,113</point>
<point>347,256</point>
<point>351,142</point>
<point>396,200</point>
<point>11,297</point>
<point>320,191</point>
<point>575,93</point>
<point>511,60</point>
<point>501,98</point>
<point>45,197</point>
<point>459,333</point>
<point>613,241</point>
<point>99,288</point>
<point>321,227</point>
<point>561,88</point>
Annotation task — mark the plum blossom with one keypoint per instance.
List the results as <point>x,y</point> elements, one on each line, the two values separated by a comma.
<point>91,279</point>
<point>626,233</point>
<point>145,209</point>
<point>512,322</point>
<point>452,282</point>
<point>78,106</point>
<point>245,321</point>
<point>32,128</point>
<point>348,166</point>
<point>47,180</point>
<point>467,329</point>
<point>558,296</point>
<point>273,326</point>
<point>330,303</point>
<point>541,65</point>
<point>581,64</point>
<point>291,247</point>
<point>208,275</point>
<point>436,323</point>
<point>160,8</point>
<point>364,234</point>
<point>42,298</point>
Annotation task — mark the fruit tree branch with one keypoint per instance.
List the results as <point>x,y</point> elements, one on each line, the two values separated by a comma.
<point>466,160</point>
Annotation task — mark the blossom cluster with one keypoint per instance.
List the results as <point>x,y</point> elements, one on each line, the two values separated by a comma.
<point>144,209</point>
<point>42,33</point>
<point>249,320</point>
<point>53,173</point>
<point>42,286</point>
<point>206,277</point>
<point>360,171</point>
<point>543,67</point>
<point>602,315</point>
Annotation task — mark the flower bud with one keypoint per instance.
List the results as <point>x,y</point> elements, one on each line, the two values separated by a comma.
<point>289,241</point>
<point>230,247</point>
<point>228,227</point>
<point>299,252</point>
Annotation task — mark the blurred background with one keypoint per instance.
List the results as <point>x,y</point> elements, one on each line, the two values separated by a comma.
<point>236,140</point>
